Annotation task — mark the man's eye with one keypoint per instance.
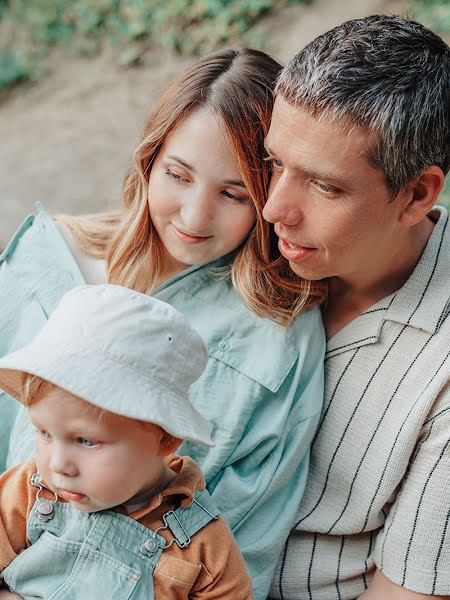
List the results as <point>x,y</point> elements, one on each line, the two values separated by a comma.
<point>276,165</point>
<point>86,442</point>
<point>326,189</point>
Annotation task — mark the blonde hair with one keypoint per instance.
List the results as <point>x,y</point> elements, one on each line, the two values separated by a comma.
<point>237,86</point>
<point>33,387</point>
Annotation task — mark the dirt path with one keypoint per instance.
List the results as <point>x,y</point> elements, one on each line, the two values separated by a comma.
<point>68,141</point>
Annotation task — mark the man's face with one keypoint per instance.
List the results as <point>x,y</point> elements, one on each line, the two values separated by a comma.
<point>331,208</point>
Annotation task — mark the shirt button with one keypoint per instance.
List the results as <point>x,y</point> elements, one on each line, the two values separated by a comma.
<point>135,575</point>
<point>224,346</point>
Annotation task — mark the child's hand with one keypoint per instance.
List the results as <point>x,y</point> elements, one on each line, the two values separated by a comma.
<point>5,595</point>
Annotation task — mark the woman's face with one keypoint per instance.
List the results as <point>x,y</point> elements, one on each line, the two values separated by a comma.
<point>198,202</point>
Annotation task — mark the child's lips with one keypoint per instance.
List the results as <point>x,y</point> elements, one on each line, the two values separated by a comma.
<point>71,496</point>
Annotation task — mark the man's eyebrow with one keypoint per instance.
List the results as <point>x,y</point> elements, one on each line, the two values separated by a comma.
<point>324,176</point>
<point>267,148</point>
<point>313,173</point>
<point>236,182</point>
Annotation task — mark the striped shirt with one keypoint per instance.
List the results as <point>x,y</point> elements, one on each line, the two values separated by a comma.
<point>378,491</point>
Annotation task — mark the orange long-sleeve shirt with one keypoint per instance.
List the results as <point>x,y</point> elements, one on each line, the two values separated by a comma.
<point>210,568</point>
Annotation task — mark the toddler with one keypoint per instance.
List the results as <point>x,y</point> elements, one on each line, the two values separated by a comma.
<point>105,510</point>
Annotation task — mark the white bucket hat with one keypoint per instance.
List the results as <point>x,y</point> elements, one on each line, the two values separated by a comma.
<point>122,351</point>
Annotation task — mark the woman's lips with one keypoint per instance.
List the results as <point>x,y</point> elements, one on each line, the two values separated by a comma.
<point>293,252</point>
<point>190,239</point>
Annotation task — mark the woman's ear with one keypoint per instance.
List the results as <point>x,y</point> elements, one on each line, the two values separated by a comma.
<point>421,196</point>
<point>168,444</point>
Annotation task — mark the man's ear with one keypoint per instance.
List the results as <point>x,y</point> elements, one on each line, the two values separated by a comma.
<point>168,444</point>
<point>421,195</point>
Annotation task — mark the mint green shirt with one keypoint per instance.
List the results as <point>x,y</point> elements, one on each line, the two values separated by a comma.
<point>262,388</point>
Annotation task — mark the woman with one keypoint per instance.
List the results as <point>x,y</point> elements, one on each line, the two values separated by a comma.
<point>192,234</point>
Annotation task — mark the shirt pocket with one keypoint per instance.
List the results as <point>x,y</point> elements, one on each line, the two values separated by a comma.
<point>255,347</point>
<point>174,577</point>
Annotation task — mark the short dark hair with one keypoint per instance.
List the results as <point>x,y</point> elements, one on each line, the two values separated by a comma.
<point>388,75</point>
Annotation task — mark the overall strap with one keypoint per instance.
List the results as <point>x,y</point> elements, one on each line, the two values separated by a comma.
<point>186,522</point>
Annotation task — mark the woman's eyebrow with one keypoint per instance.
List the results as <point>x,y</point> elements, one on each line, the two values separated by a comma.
<point>237,182</point>
<point>182,162</point>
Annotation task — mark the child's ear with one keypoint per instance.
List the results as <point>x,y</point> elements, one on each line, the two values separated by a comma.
<point>168,444</point>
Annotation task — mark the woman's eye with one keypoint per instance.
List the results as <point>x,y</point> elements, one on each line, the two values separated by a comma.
<point>174,175</point>
<point>234,197</point>
<point>87,443</point>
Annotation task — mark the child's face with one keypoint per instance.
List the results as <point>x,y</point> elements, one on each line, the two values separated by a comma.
<point>95,461</point>
<point>198,202</point>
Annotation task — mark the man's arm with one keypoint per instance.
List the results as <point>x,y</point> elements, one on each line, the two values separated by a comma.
<point>382,587</point>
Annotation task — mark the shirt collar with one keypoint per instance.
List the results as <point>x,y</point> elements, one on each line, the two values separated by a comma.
<point>189,479</point>
<point>422,302</point>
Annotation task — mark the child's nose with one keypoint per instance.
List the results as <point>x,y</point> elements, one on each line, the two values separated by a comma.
<point>62,463</point>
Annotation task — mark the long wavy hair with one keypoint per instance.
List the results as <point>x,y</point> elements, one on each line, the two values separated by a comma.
<point>237,86</point>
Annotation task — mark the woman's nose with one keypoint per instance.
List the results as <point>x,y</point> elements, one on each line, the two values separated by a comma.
<point>197,212</point>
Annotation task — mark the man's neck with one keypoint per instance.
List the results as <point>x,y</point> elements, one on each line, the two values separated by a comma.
<point>349,296</point>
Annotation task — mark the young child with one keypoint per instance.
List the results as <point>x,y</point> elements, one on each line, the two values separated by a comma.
<point>104,511</point>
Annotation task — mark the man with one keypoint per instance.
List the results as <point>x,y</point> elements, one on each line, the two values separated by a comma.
<point>360,143</point>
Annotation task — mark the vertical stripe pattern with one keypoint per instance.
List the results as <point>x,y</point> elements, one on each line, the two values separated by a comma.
<point>378,491</point>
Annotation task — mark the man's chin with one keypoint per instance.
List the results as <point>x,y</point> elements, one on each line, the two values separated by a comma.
<point>305,273</point>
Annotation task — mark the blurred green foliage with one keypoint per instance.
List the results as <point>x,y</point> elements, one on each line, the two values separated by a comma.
<point>433,13</point>
<point>28,28</point>
<point>436,15</point>
<point>444,197</point>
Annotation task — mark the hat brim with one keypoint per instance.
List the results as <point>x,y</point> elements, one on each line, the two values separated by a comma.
<point>90,376</point>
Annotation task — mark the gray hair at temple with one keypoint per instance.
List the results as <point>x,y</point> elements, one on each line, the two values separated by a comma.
<point>387,75</point>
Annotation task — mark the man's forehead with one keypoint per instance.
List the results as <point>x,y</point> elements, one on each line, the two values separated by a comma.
<point>295,128</point>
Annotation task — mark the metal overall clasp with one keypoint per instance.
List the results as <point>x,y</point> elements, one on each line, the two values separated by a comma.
<point>151,544</point>
<point>44,509</point>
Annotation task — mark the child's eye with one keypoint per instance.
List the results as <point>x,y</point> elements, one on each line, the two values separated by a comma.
<point>44,434</point>
<point>86,442</point>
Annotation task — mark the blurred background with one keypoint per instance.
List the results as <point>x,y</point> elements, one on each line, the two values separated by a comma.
<point>77,78</point>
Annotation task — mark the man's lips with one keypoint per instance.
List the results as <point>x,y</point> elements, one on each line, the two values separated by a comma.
<point>190,239</point>
<point>70,496</point>
<point>294,252</point>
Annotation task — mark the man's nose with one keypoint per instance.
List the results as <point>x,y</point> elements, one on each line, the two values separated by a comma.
<point>197,212</point>
<point>284,203</point>
<point>61,461</point>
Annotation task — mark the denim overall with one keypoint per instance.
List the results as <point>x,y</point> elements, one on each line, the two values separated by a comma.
<point>90,556</point>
